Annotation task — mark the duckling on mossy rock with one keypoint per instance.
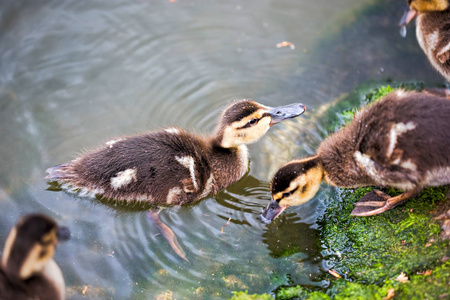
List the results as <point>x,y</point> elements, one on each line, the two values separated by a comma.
<point>27,270</point>
<point>402,141</point>
<point>172,166</point>
<point>432,30</point>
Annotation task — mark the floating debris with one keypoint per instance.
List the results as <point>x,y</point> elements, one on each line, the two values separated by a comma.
<point>84,290</point>
<point>426,273</point>
<point>286,44</point>
<point>334,273</point>
<point>390,294</point>
<point>228,222</point>
<point>402,277</point>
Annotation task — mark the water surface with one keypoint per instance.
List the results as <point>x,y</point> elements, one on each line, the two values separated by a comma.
<point>75,74</point>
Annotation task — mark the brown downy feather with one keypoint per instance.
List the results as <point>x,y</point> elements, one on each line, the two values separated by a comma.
<point>426,146</point>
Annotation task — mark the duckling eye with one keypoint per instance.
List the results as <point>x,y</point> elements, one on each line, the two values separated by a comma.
<point>42,253</point>
<point>252,122</point>
<point>287,194</point>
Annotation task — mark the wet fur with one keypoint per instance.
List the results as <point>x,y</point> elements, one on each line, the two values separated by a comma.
<point>427,146</point>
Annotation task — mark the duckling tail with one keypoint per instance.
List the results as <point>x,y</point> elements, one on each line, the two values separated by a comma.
<point>58,172</point>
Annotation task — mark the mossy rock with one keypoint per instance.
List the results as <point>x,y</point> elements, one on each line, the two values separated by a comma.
<point>245,296</point>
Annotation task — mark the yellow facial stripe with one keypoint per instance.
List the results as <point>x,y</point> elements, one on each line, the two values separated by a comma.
<point>256,115</point>
<point>234,135</point>
<point>39,254</point>
<point>50,237</point>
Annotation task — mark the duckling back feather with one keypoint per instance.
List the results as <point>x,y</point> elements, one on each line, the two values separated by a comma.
<point>406,133</point>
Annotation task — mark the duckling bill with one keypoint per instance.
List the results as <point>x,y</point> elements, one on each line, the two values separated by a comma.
<point>172,166</point>
<point>402,141</point>
<point>27,270</point>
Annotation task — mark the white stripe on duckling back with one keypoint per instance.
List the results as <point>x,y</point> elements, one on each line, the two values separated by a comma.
<point>188,162</point>
<point>123,178</point>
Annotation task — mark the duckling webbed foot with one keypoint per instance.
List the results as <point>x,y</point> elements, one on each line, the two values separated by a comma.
<point>376,202</point>
<point>168,234</point>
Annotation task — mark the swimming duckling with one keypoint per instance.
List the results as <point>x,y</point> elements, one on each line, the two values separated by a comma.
<point>432,30</point>
<point>172,166</point>
<point>27,270</point>
<point>402,141</point>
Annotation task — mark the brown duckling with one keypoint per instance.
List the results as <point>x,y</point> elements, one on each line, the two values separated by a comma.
<point>172,166</point>
<point>432,30</point>
<point>401,141</point>
<point>27,270</point>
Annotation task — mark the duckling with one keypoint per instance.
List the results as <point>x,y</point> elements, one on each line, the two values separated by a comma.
<point>27,270</point>
<point>172,166</point>
<point>402,141</point>
<point>432,30</point>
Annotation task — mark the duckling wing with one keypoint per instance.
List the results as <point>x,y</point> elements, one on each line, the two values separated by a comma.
<point>392,175</point>
<point>406,138</point>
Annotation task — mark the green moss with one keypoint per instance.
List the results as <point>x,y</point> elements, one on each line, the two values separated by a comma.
<point>245,296</point>
<point>373,249</point>
<point>293,292</point>
<point>344,109</point>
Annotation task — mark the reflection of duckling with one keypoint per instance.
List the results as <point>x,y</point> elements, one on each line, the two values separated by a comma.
<point>171,166</point>
<point>402,141</point>
<point>27,269</point>
<point>432,30</point>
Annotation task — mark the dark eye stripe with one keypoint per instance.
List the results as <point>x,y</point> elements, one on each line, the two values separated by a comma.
<point>250,123</point>
<point>304,188</point>
<point>287,194</point>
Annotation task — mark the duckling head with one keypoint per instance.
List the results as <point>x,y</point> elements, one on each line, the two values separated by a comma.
<point>293,184</point>
<point>246,121</point>
<point>428,5</point>
<point>421,6</point>
<point>30,245</point>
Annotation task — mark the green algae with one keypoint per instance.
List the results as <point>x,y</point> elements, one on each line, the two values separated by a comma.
<point>374,249</point>
<point>245,296</point>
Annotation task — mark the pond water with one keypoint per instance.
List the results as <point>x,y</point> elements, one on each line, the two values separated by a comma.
<point>75,74</point>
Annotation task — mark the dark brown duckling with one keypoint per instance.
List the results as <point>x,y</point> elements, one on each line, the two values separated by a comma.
<point>27,270</point>
<point>172,166</point>
<point>432,30</point>
<point>402,141</point>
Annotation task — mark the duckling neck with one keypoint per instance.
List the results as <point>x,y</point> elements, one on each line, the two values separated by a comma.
<point>53,274</point>
<point>228,165</point>
<point>336,155</point>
